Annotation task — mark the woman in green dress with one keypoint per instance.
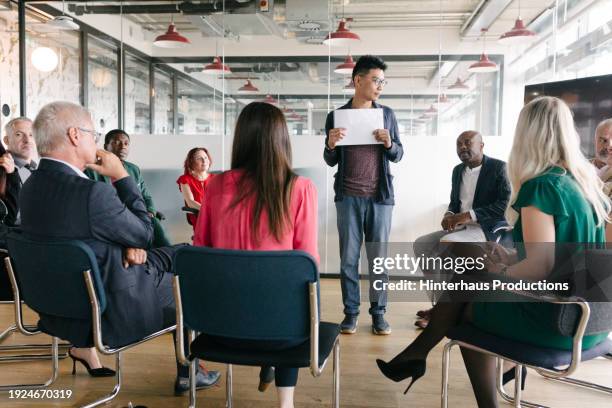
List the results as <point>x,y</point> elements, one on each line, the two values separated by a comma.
<point>558,198</point>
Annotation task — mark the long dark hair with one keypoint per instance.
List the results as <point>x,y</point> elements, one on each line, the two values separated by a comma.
<point>190,161</point>
<point>263,150</point>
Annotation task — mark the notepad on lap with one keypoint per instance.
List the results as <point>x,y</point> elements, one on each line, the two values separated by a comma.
<point>360,125</point>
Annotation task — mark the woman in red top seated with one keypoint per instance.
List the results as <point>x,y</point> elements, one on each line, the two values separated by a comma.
<point>195,179</point>
<point>261,204</point>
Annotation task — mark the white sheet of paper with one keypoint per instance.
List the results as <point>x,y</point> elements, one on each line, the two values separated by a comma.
<point>360,125</point>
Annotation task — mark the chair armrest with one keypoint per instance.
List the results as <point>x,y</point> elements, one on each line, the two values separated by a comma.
<point>578,335</point>
<point>190,210</point>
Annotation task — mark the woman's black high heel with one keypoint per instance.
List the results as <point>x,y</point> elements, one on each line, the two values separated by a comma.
<point>402,369</point>
<point>510,374</point>
<point>94,372</point>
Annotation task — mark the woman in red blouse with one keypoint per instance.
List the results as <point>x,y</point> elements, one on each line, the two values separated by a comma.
<point>195,179</point>
<point>261,204</point>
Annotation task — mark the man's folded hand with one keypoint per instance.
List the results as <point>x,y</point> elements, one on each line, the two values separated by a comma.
<point>134,256</point>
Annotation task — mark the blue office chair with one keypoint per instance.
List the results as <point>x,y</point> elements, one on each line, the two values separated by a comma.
<point>575,318</point>
<point>50,273</point>
<point>256,295</point>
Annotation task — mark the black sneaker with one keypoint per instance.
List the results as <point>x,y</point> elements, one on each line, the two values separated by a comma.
<point>204,380</point>
<point>380,325</point>
<point>349,324</point>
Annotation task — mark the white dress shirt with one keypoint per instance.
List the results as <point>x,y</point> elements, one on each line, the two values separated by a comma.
<point>78,171</point>
<point>468,189</point>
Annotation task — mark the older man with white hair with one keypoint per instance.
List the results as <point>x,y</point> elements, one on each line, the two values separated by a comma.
<point>18,162</point>
<point>59,201</point>
<point>603,161</point>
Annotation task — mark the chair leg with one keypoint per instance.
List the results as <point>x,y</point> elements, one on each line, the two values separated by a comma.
<point>26,347</point>
<point>115,391</point>
<point>585,384</point>
<point>508,398</point>
<point>193,372</point>
<point>229,387</point>
<point>445,368</point>
<point>336,372</point>
<point>54,371</point>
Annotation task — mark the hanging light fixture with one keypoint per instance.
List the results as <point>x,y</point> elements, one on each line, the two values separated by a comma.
<point>349,88</point>
<point>44,59</point>
<point>63,22</point>
<point>432,111</point>
<point>171,39</point>
<point>248,87</point>
<point>346,68</point>
<point>101,77</point>
<point>270,99</point>
<point>519,33</point>
<point>484,65</point>
<point>342,36</point>
<point>459,85</point>
<point>443,99</point>
<point>217,67</point>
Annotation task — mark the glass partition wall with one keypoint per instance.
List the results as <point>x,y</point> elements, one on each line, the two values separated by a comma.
<point>170,105</point>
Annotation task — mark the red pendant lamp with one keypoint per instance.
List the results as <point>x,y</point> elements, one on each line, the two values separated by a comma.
<point>346,68</point>
<point>484,65</point>
<point>349,88</point>
<point>432,111</point>
<point>270,99</point>
<point>519,33</point>
<point>248,87</point>
<point>443,99</point>
<point>342,36</point>
<point>171,39</point>
<point>217,67</point>
<point>459,85</point>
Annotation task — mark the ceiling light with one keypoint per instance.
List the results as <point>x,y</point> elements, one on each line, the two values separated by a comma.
<point>346,68</point>
<point>171,39</point>
<point>309,25</point>
<point>459,85</point>
<point>248,88</point>
<point>342,36</point>
<point>217,67</point>
<point>101,77</point>
<point>44,59</point>
<point>63,23</point>
<point>519,33</point>
<point>443,99</point>
<point>270,99</point>
<point>484,65</point>
<point>349,88</point>
<point>432,111</point>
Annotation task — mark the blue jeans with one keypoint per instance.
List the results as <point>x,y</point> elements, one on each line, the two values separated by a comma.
<point>358,217</point>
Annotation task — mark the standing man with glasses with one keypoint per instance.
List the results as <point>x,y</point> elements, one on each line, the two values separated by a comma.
<point>18,161</point>
<point>363,189</point>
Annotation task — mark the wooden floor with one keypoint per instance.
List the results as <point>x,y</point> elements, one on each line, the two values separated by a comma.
<point>149,373</point>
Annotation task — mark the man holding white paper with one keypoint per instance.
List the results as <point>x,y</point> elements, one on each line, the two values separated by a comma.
<point>362,138</point>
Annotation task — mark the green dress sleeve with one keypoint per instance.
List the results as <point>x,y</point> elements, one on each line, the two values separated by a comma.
<point>544,194</point>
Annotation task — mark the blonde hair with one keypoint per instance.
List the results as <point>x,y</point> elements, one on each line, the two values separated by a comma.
<point>545,137</point>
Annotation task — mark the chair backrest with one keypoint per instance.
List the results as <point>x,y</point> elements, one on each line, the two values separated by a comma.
<point>594,284</point>
<point>246,294</point>
<point>50,275</point>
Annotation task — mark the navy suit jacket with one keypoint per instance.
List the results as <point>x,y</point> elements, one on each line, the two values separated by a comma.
<point>490,198</point>
<point>56,203</point>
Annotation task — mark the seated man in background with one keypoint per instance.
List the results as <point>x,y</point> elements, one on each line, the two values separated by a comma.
<point>479,196</point>
<point>603,161</point>
<point>118,142</point>
<point>59,202</point>
<point>18,161</point>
